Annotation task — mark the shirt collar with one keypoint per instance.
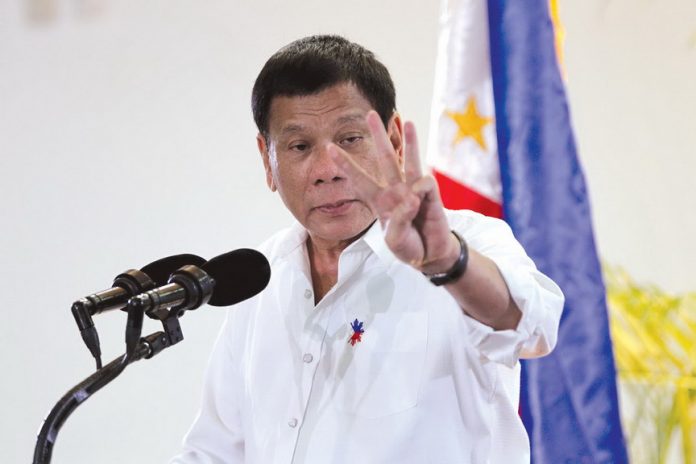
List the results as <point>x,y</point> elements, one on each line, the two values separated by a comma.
<point>294,238</point>
<point>372,240</point>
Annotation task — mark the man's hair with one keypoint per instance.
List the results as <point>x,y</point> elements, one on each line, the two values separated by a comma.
<point>312,64</point>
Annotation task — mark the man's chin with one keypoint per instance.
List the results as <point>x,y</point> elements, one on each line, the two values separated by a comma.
<point>340,231</point>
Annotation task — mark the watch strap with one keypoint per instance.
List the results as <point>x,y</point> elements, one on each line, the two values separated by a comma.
<point>457,270</point>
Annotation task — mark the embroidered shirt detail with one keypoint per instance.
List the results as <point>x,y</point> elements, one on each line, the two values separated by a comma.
<point>357,327</point>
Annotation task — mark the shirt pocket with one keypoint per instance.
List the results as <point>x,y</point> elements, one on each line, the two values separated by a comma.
<point>382,373</point>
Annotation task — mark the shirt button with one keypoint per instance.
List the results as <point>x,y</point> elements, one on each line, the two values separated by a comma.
<point>308,294</point>
<point>308,358</point>
<point>292,422</point>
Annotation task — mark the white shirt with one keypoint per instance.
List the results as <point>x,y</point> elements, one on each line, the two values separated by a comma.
<point>424,384</point>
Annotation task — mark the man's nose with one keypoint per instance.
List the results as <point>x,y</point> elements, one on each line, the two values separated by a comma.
<point>324,169</point>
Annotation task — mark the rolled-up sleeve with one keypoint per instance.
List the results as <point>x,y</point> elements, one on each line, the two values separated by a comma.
<point>538,297</point>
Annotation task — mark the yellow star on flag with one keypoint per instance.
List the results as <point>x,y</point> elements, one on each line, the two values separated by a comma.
<point>470,123</point>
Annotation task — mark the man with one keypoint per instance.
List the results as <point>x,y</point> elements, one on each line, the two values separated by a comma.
<point>391,329</point>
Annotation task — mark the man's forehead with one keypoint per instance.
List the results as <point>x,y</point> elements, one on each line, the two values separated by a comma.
<point>337,105</point>
<point>290,126</point>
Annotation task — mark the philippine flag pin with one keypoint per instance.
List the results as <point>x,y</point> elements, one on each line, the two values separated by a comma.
<point>357,327</point>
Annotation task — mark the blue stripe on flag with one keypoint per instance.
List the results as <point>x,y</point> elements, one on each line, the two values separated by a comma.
<point>569,400</point>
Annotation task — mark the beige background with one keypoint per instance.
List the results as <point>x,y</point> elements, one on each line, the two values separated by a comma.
<point>126,135</point>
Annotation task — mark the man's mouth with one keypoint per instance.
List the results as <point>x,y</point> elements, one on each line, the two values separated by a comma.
<point>337,207</point>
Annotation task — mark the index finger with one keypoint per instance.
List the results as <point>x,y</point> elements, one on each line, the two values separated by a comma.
<point>363,181</point>
<point>386,157</point>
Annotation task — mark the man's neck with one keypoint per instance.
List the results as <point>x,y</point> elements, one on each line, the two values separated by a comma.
<point>323,263</point>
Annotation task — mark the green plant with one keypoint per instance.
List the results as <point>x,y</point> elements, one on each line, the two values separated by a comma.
<point>654,337</point>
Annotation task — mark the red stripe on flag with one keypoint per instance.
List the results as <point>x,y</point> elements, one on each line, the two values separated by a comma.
<point>458,196</point>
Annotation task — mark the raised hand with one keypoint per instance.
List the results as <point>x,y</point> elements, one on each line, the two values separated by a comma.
<point>407,203</point>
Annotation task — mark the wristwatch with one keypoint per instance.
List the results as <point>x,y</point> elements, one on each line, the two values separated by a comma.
<point>456,271</point>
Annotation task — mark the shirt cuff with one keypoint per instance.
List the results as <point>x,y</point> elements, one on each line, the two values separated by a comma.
<point>541,302</point>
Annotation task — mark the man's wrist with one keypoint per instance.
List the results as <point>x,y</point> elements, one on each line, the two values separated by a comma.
<point>451,267</point>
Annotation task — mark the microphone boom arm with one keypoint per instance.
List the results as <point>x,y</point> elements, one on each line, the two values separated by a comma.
<point>147,347</point>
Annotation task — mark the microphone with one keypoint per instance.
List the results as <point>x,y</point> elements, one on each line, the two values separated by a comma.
<point>239,275</point>
<point>225,280</point>
<point>126,284</point>
<point>133,282</point>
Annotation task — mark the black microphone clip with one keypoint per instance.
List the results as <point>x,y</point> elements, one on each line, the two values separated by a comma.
<point>189,288</point>
<point>131,282</point>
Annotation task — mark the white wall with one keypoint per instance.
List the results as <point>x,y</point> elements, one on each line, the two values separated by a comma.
<point>632,82</point>
<point>126,135</point>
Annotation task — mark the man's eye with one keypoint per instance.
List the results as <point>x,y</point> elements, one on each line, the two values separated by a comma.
<point>299,147</point>
<point>351,140</point>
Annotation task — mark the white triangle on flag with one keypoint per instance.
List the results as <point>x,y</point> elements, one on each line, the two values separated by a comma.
<point>463,76</point>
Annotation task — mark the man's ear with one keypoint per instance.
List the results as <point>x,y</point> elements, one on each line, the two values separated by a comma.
<point>263,151</point>
<point>395,132</point>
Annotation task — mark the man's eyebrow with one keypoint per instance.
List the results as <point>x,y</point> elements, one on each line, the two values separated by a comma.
<point>291,129</point>
<point>349,118</point>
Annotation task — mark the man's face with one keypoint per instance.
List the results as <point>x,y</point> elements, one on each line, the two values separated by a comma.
<point>298,166</point>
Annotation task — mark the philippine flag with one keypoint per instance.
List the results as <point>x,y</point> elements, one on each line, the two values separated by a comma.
<point>501,143</point>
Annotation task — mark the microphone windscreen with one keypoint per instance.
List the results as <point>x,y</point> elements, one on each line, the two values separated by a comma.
<point>238,274</point>
<point>160,271</point>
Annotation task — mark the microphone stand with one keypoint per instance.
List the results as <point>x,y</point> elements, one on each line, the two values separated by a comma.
<point>145,347</point>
